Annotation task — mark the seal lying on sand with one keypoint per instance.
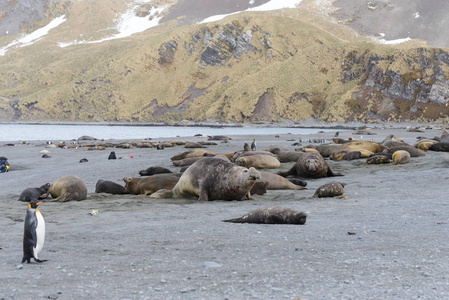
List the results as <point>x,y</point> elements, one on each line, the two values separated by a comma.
<point>277,182</point>
<point>110,187</point>
<point>272,215</point>
<point>154,170</point>
<point>400,157</point>
<point>331,189</point>
<point>212,179</point>
<point>260,161</point>
<point>311,165</point>
<point>68,188</point>
<point>149,185</point>
<point>30,194</point>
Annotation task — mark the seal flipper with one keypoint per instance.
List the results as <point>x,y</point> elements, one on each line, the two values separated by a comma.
<point>332,174</point>
<point>292,171</point>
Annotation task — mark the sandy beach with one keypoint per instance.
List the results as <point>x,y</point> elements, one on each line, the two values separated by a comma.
<point>387,240</point>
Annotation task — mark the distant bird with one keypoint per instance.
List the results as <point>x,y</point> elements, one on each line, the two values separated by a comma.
<point>337,133</point>
<point>253,145</point>
<point>33,234</point>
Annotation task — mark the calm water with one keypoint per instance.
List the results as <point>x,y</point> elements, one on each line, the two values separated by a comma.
<point>21,132</point>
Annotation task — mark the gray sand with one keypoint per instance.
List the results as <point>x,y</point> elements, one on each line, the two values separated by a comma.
<point>387,240</point>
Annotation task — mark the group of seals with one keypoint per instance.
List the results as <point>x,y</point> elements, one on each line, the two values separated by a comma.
<point>212,179</point>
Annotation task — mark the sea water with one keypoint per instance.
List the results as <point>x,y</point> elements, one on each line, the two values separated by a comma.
<point>26,132</point>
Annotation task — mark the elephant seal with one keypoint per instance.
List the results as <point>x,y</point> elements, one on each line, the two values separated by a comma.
<point>191,153</point>
<point>149,185</point>
<point>377,159</point>
<point>277,182</point>
<point>444,138</point>
<point>190,160</point>
<point>332,189</point>
<point>260,161</point>
<point>444,147</point>
<point>154,170</point>
<point>109,187</point>
<point>84,160</point>
<point>351,155</point>
<point>213,179</point>
<point>67,188</point>
<point>194,145</point>
<point>327,149</point>
<point>272,215</point>
<point>424,146</point>
<point>400,157</point>
<point>367,145</point>
<point>218,138</point>
<point>30,194</point>
<point>310,165</point>
<point>287,156</point>
<point>414,152</point>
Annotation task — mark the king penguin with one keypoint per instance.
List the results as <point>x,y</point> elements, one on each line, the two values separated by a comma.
<point>34,233</point>
<point>253,145</point>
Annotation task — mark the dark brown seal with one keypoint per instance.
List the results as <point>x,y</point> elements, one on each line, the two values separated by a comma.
<point>154,170</point>
<point>110,187</point>
<point>272,215</point>
<point>213,179</point>
<point>68,188</point>
<point>310,165</point>
<point>34,194</point>
<point>352,155</point>
<point>444,147</point>
<point>332,189</point>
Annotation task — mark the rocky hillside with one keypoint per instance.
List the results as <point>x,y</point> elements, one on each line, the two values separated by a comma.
<point>284,65</point>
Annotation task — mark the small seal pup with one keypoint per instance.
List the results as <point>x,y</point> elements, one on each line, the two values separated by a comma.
<point>332,189</point>
<point>30,194</point>
<point>213,179</point>
<point>310,165</point>
<point>110,187</point>
<point>154,170</point>
<point>112,155</point>
<point>272,215</point>
<point>378,159</point>
<point>33,233</point>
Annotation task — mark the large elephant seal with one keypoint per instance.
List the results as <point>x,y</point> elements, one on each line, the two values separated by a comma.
<point>259,161</point>
<point>367,145</point>
<point>332,189</point>
<point>287,156</point>
<point>277,182</point>
<point>310,165</point>
<point>154,170</point>
<point>67,188</point>
<point>272,215</point>
<point>401,157</point>
<point>444,147</point>
<point>110,187</point>
<point>34,194</point>
<point>213,179</point>
<point>327,149</point>
<point>149,185</point>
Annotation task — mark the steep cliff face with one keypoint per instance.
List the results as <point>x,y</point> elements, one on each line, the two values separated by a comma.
<point>410,85</point>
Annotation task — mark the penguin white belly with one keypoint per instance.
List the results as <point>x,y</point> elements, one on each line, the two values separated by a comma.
<point>40,232</point>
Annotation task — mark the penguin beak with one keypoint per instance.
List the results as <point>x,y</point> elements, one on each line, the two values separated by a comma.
<point>39,202</point>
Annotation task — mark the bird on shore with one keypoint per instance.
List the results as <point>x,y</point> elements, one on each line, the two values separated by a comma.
<point>34,233</point>
<point>253,145</point>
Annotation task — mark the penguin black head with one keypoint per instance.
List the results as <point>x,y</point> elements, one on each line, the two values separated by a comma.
<point>34,204</point>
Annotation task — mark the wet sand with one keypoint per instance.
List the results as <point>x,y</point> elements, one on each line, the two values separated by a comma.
<point>387,240</point>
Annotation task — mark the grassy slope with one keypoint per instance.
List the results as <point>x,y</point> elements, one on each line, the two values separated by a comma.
<point>118,80</point>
